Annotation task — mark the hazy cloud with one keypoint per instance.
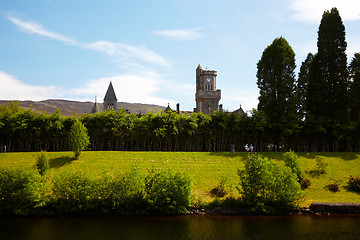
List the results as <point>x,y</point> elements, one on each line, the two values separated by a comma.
<point>180,34</point>
<point>118,50</point>
<point>14,89</point>
<point>311,11</point>
<point>34,28</point>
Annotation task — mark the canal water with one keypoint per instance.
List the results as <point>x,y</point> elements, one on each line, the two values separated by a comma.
<point>294,227</point>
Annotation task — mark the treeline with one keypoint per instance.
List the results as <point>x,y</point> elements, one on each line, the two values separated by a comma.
<point>26,130</point>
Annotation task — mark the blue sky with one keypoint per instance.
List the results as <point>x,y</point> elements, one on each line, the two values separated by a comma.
<point>62,49</point>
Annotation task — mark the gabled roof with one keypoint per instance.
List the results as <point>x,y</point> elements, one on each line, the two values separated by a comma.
<point>110,93</point>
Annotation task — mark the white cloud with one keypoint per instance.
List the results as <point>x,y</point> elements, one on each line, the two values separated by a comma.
<point>180,34</point>
<point>125,51</point>
<point>120,51</point>
<point>128,88</point>
<point>232,99</point>
<point>312,10</point>
<point>34,28</point>
<point>13,89</point>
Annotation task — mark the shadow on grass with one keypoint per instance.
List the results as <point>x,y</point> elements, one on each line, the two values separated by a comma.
<point>60,161</point>
<point>348,156</point>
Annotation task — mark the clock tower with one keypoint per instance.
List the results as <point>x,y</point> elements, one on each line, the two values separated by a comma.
<point>207,97</point>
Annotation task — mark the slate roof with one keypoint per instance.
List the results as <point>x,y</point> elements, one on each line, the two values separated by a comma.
<point>110,93</point>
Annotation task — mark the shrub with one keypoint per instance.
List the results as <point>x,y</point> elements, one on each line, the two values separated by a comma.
<point>220,190</point>
<point>291,160</point>
<point>124,192</point>
<point>20,191</point>
<point>267,186</point>
<point>42,163</point>
<point>76,192</point>
<point>354,184</point>
<point>320,166</point>
<point>168,191</point>
<point>334,187</point>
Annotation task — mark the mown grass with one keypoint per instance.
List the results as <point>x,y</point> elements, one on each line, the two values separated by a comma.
<point>206,169</point>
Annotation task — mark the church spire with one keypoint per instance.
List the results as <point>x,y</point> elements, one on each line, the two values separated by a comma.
<point>110,100</point>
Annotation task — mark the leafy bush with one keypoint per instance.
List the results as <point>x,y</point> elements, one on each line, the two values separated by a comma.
<point>220,190</point>
<point>267,186</point>
<point>124,192</point>
<point>76,192</point>
<point>354,183</point>
<point>334,187</point>
<point>168,191</point>
<point>291,160</point>
<point>42,163</point>
<point>321,166</point>
<point>20,191</point>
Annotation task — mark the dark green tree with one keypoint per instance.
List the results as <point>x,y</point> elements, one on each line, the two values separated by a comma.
<point>301,86</point>
<point>354,71</point>
<point>276,81</point>
<point>327,100</point>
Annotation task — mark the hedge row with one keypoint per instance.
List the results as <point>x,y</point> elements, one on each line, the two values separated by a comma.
<point>24,192</point>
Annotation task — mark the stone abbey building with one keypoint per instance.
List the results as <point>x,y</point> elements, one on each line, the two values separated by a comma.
<point>207,97</point>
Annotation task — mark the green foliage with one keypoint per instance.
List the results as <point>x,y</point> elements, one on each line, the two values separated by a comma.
<point>321,166</point>
<point>75,192</point>
<point>124,192</point>
<point>20,191</point>
<point>354,184</point>
<point>168,191</point>
<point>267,186</point>
<point>291,160</point>
<point>78,138</point>
<point>42,163</point>
<point>220,190</point>
<point>276,81</point>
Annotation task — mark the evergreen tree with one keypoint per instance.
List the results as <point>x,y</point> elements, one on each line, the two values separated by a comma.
<point>354,70</point>
<point>302,85</point>
<point>328,80</point>
<point>276,81</point>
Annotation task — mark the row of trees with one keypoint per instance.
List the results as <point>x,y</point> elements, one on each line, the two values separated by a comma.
<point>26,130</point>
<point>322,106</point>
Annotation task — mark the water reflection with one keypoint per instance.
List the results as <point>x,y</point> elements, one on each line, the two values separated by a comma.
<point>184,227</point>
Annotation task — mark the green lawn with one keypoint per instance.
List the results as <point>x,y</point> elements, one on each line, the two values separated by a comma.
<point>205,168</point>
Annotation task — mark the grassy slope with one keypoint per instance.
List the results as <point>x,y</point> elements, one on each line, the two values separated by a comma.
<point>205,168</point>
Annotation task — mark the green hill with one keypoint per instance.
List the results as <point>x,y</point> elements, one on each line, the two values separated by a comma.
<point>206,169</point>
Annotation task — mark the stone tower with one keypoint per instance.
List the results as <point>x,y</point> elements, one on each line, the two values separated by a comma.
<point>207,97</point>
<point>110,100</point>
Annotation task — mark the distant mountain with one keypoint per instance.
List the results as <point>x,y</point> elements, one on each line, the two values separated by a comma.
<point>69,108</point>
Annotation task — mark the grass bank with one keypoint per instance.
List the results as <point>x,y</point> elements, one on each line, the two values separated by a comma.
<point>206,169</point>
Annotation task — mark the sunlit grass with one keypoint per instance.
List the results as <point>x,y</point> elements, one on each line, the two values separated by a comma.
<point>206,169</point>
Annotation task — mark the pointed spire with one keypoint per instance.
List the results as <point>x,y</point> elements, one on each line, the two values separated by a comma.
<point>95,108</point>
<point>199,67</point>
<point>110,93</point>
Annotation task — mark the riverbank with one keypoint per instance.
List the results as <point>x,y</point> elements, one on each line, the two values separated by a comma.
<point>206,169</point>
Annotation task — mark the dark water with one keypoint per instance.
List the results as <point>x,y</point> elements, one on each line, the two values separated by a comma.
<point>184,227</point>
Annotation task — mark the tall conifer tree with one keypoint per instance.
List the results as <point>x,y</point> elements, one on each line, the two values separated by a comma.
<point>354,70</point>
<point>302,85</point>
<point>328,80</point>
<point>276,81</point>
